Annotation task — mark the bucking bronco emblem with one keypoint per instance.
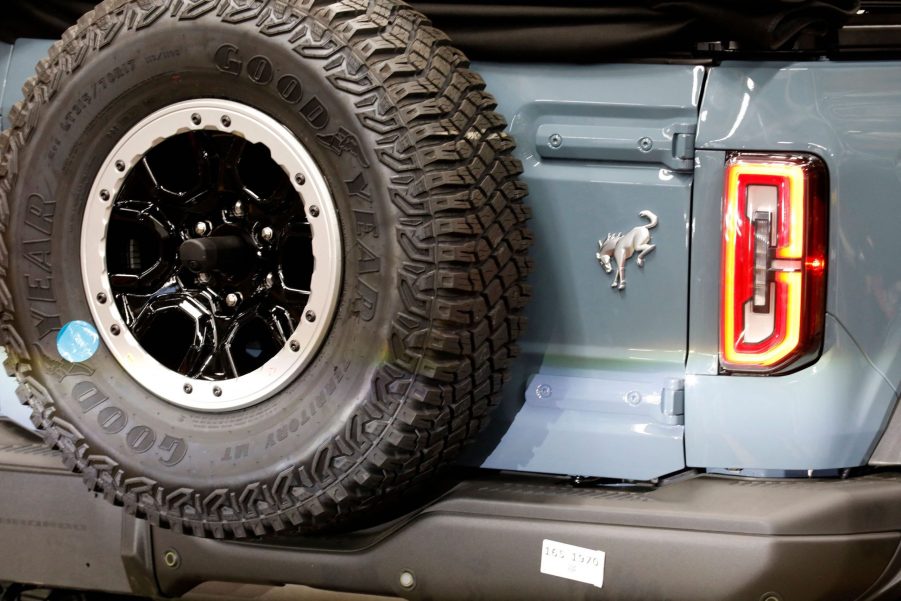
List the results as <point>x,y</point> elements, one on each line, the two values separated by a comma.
<point>622,246</point>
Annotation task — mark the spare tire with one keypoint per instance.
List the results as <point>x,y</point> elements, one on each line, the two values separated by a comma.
<point>265,260</point>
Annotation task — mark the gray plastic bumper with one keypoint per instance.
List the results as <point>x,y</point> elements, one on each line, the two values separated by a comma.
<point>703,538</point>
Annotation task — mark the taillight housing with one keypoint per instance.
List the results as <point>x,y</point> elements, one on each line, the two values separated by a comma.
<point>773,279</point>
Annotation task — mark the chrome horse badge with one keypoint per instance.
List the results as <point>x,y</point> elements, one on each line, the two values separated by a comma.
<point>621,246</point>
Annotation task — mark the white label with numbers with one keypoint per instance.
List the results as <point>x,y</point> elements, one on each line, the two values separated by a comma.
<point>574,563</point>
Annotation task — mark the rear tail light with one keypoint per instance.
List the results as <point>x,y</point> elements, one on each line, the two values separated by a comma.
<point>773,262</point>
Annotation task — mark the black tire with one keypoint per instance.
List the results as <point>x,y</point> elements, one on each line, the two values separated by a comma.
<point>434,234</point>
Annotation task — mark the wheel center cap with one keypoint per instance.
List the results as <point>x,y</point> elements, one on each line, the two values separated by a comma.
<point>215,253</point>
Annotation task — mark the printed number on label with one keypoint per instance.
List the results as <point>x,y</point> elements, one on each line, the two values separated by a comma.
<point>572,562</point>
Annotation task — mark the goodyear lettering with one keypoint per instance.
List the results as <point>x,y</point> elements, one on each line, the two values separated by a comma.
<point>112,420</point>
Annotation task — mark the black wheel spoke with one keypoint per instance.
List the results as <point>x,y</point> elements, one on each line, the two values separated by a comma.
<point>288,295</point>
<point>142,247</point>
<point>179,331</point>
<point>295,257</point>
<point>131,305</point>
<point>209,255</point>
<point>228,164</point>
<point>257,335</point>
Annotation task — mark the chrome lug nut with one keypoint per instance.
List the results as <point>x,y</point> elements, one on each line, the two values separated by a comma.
<point>201,228</point>
<point>232,299</point>
<point>238,209</point>
<point>266,234</point>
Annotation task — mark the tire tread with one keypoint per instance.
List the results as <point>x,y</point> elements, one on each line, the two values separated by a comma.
<point>463,231</point>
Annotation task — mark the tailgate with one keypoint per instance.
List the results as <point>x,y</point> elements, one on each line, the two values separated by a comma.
<point>607,150</point>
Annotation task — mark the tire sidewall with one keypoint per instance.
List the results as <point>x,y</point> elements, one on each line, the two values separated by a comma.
<point>106,96</point>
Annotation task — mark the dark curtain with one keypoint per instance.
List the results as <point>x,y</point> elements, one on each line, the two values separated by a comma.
<point>39,18</point>
<point>585,31</point>
<point>567,30</point>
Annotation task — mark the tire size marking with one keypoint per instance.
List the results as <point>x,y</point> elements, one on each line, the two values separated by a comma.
<point>98,87</point>
<point>139,439</point>
<point>161,56</point>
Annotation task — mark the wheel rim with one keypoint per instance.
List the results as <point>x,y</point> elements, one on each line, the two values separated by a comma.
<point>211,255</point>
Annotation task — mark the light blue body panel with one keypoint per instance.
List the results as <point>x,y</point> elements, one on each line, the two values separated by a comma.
<point>6,52</point>
<point>21,60</point>
<point>831,414</point>
<point>823,417</point>
<point>13,74</point>
<point>10,407</point>
<point>590,344</point>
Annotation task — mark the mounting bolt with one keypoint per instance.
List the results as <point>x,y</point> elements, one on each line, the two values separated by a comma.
<point>543,391</point>
<point>120,165</point>
<point>555,141</point>
<point>270,280</point>
<point>314,211</point>
<point>232,299</point>
<point>171,559</point>
<point>195,119</point>
<point>188,388</point>
<point>633,397</point>
<point>201,228</point>
<point>645,144</point>
<point>104,195</point>
<point>266,234</point>
<point>204,278</point>
<point>407,580</point>
<point>311,317</point>
<point>114,330</point>
<point>238,209</point>
<point>217,391</point>
<point>101,298</point>
<point>295,346</point>
<point>300,178</point>
<point>226,121</point>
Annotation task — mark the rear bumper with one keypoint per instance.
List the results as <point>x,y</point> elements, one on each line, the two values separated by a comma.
<point>708,538</point>
<point>703,538</point>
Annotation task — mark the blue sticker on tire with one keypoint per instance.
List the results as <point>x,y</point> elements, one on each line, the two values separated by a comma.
<point>77,341</point>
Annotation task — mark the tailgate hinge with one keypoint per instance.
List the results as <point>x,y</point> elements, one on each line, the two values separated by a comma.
<point>684,144</point>
<point>672,403</point>
<point>669,144</point>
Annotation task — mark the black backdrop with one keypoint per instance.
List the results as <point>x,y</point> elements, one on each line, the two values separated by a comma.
<point>567,30</point>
